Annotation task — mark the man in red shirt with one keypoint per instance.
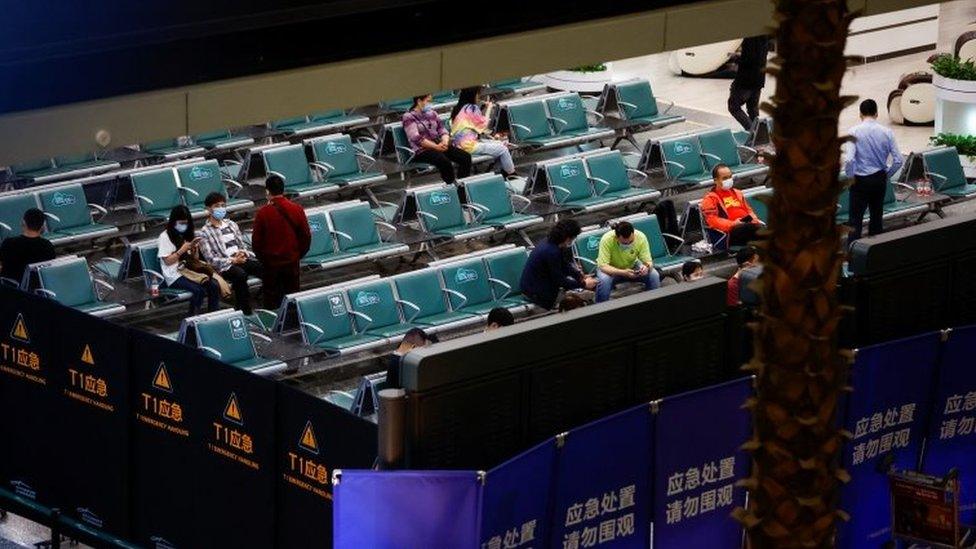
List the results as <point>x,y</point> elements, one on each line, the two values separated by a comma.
<point>281,237</point>
<point>727,210</point>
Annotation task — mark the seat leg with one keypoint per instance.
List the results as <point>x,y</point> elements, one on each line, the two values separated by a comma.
<point>525,238</point>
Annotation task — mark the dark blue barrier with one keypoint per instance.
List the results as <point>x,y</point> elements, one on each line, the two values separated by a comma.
<point>314,439</point>
<point>516,499</point>
<point>603,479</point>
<point>398,509</point>
<point>697,462</point>
<point>951,439</point>
<point>886,414</point>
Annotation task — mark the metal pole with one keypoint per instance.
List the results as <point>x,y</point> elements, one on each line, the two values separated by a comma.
<point>392,426</point>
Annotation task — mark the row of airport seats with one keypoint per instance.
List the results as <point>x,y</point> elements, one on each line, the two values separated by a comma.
<point>69,216</point>
<point>334,165</point>
<point>586,248</point>
<point>391,143</point>
<point>687,160</point>
<point>589,181</point>
<point>68,281</point>
<point>548,121</point>
<point>633,102</point>
<point>227,335</point>
<point>157,192</point>
<point>943,168</point>
<point>64,167</point>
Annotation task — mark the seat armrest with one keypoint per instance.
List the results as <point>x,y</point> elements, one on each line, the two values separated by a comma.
<point>232,182</point>
<point>526,200</point>
<point>680,166</point>
<point>457,294</point>
<point>712,156</point>
<point>145,199</point>
<point>477,210</point>
<point>211,350</point>
<point>318,330</point>
<point>560,120</point>
<point>260,336</point>
<point>365,317</point>
<point>600,180</point>
<point>392,228</point>
<point>52,216</point>
<point>189,190</point>
<point>416,309</point>
<point>598,115</point>
<point>753,153</point>
<point>503,284</point>
<point>427,214</point>
<point>259,322</point>
<point>642,175</point>
<point>4,281</point>
<point>46,293</point>
<point>674,237</point>
<point>342,234</point>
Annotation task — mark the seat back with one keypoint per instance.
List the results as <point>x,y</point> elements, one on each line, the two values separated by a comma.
<point>328,312</point>
<point>507,266</point>
<point>152,146</point>
<point>492,193</point>
<point>587,247</point>
<point>206,136</point>
<point>326,115</point>
<point>844,203</point>
<point>159,186</point>
<point>890,197</point>
<point>945,162</point>
<point>649,225</point>
<point>571,177</point>
<point>338,152</point>
<point>423,289</point>
<point>12,208</point>
<point>70,281</point>
<point>532,115</point>
<point>400,140</point>
<point>292,121</point>
<point>322,242</point>
<point>758,205</point>
<point>228,335</point>
<point>635,99</point>
<point>720,143</point>
<point>68,204</point>
<point>375,300</point>
<point>71,160</point>
<point>685,151</point>
<point>444,203</point>
<point>202,179</point>
<point>568,113</point>
<point>35,166</point>
<point>149,260</point>
<point>290,162</point>
<point>357,222</point>
<point>609,167</point>
<point>469,278</point>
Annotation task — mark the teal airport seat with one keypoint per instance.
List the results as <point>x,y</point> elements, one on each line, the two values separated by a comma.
<point>69,217</point>
<point>156,192</point>
<point>325,322</point>
<point>549,121</point>
<point>468,287</point>
<point>440,213</point>
<point>227,338</point>
<point>12,208</point>
<point>290,163</point>
<point>374,310</point>
<point>661,255</point>
<point>70,283</point>
<point>356,231</point>
<point>339,160</point>
<point>569,186</point>
<point>755,198</point>
<point>322,251</point>
<point>79,165</point>
<point>505,275</point>
<point>636,103</point>
<point>610,178</point>
<point>490,196</point>
<point>683,164</point>
<point>199,180</point>
<point>36,169</point>
<point>221,140</point>
<point>719,147</point>
<point>586,248</point>
<point>171,149</point>
<point>943,168</point>
<point>568,117</point>
<point>422,300</point>
<point>517,85</point>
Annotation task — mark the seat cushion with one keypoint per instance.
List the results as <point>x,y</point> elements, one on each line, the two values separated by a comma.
<point>375,248</point>
<point>323,259</point>
<point>442,318</point>
<point>460,230</point>
<point>355,178</point>
<point>513,219</point>
<point>257,363</point>
<point>392,330</point>
<point>97,306</point>
<point>658,119</point>
<point>349,341</point>
<point>86,229</point>
<point>962,190</point>
<point>310,187</point>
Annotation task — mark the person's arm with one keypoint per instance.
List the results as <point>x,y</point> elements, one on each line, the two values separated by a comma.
<point>752,212</point>
<point>412,129</point>
<point>644,253</point>
<point>168,253</point>
<point>211,252</point>
<point>896,158</point>
<point>709,207</point>
<point>847,157</point>
<point>557,271</point>
<point>257,234</point>
<point>239,236</point>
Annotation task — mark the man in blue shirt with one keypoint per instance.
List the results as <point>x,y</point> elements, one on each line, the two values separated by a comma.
<point>867,163</point>
<point>549,268</point>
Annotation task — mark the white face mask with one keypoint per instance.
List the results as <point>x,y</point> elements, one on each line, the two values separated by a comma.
<point>727,183</point>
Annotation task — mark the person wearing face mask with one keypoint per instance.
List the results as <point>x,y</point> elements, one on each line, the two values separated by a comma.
<point>280,238</point>
<point>431,142</point>
<point>224,248</point>
<point>624,256</point>
<point>178,244</point>
<point>470,130</point>
<point>727,211</point>
<point>549,268</point>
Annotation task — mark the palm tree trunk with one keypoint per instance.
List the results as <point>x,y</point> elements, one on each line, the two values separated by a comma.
<point>800,371</point>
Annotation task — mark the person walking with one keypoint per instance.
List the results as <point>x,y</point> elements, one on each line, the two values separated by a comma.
<point>750,78</point>
<point>280,238</point>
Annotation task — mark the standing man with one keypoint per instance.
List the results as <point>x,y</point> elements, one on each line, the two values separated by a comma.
<point>223,247</point>
<point>281,237</point>
<point>17,252</point>
<point>749,80</point>
<point>625,256</point>
<point>867,163</point>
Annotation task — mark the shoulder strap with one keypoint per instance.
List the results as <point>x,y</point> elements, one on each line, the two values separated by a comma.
<point>288,219</point>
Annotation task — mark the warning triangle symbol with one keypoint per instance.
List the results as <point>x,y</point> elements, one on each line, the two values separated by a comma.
<point>20,329</point>
<point>232,411</point>
<point>161,379</point>
<point>86,356</point>
<point>308,441</point>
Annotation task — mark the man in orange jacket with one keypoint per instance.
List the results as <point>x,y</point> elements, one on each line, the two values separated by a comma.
<point>727,210</point>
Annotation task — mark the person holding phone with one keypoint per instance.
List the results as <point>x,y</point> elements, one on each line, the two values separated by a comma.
<point>727,211</point>
<point>470,131</point>
<point>624,256</point>
<point>178,243</point>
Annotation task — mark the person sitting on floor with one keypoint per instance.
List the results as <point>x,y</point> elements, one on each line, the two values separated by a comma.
<point>744,258</point>
<point>625,256</point>
<point>727,211</point>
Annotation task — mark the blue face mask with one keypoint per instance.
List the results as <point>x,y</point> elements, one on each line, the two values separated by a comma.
<point>180,227</point>
<point>219,213</point>
<point>428,108</point>
<point>625,247</point>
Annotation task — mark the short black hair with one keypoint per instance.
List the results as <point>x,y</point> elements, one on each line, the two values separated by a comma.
<point>416,337</point>
<point>624,229</point>
<point>275,185</point>
<point>501,317</point>
<point>34,219</point>
<point>718,167</point>
<point>869,108</point>
<point>563,229</point>
<point>214,198</point>
<point>745,255</point>
<point>690,267</point>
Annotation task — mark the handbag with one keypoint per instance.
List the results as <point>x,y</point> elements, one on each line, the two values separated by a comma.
<point>198,271</point>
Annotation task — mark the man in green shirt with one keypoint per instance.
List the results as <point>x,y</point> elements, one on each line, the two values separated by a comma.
<point>625,256</point>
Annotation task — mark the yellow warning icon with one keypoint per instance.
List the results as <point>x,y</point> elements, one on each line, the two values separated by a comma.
<point>308,441</point>
<point>161,379</point>
<point>86,356</point>
<point>232,411</point>
<point>20,329</point>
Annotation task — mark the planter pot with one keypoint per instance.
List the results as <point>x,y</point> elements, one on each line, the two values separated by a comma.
<point>586,82</point>
<point>968,166</point>
<point>955,105</point>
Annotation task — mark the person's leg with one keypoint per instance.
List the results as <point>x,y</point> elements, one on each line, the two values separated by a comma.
<point>858,203</point>
<point>752,106</point>
<point>197,292</point>
<point>462,159</point>
<point>737,97</point>
<point>877,189</point>
<point>271,293</point>
<point>499,152</point>
<point>604,286</point>
<point>291,282</point>
<point>236,276</point>
<point>438,160</point>
<point>213,294</point>
<point>742,234</point>
<point>652,280</point>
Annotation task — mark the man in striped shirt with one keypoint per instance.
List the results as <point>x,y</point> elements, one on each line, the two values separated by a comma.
<point>223,247</point>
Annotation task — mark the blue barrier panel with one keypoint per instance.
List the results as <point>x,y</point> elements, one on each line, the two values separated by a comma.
<point>886,415</point>
<point>696,465</point>
<point>407,509</point>
<point>951,440</point>
<point>516,497</point>
<point>602,494</point>
<point>314,438</point>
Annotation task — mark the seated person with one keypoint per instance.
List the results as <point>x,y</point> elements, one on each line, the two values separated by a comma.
<point>550,268</point>
<point>430,141</point>
<point>17,252</point>
<point>692,270</point>
<point>469,130</point>
<point>744,258</point>
<point>178,244</point>
<point>499,317</point>
<point>223,247</point>
<point>624,256</point>
<point>726,210</point>
<point>413,339</point>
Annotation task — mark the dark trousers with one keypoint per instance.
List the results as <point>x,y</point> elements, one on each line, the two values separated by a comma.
<point>743,234</point>
<point>739,96</point>
<point>278,281</point>
<point>236,276</point>
<point>867,193</point>
<point>443,162</point>
<point>209,290</point>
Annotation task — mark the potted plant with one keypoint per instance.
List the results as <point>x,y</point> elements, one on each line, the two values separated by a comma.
<point>965,145</point>
<point>955,93</point>
<point>586,79</point>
